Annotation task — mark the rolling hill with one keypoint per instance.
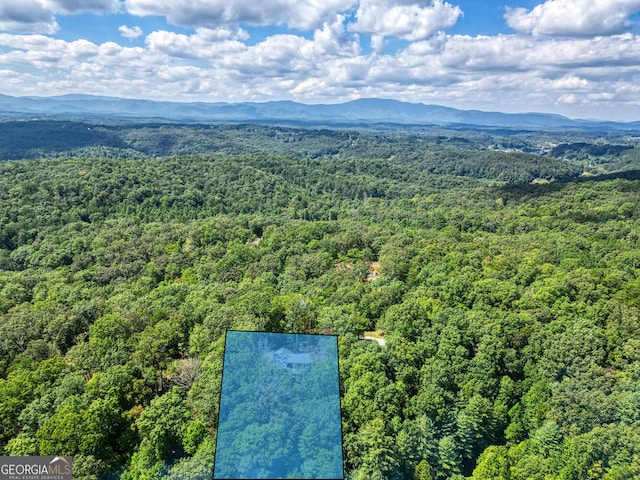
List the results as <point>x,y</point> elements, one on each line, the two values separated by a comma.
<point>363,111</point>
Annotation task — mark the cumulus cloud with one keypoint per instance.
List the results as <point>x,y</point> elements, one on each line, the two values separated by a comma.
<point>77,6</point>
<point>130,32</point>
<point>38,16</point>
<point>574,18</point>
<point>570,82</point>
<point>28,16</point>
<point>407,20</point>
<point>301,14</point>
<point>277,56</point>
<point>593,54</point>
<point>44,53</point>
<point>204,44</point>
<point>333,39</point>
<point>504,72</point>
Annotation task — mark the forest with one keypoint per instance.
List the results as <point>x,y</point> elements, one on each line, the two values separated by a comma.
<point>279,407</point>
<point>506,282</point>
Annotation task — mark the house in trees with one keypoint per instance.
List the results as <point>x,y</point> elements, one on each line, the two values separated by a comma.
<point>288,359</point>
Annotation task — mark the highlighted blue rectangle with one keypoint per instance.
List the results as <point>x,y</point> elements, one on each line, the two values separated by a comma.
<point>279,408</point>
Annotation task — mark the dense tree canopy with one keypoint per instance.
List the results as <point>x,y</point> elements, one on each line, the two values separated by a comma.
<point>510,312</point>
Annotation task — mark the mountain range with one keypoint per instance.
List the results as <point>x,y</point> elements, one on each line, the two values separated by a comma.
<point>370,111</point>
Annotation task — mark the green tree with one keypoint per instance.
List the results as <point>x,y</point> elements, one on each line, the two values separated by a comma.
<point>493,464</point>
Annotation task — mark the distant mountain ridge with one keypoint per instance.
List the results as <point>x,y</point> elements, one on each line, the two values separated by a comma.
<point>362,111</point>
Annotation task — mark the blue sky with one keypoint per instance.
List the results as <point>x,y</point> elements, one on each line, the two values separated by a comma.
<point>580,58</point>
<point>480,17</point>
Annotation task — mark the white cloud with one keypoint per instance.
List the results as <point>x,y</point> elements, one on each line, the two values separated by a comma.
<point>601,96</point>
<point>204,44</point>
<point>27,16</point>
<point>277,56</point>
<point>302,14</point>
<point>78,6</point>
<point>130,32</point>
<point>44,52</point>
<point>333,39</point>
<point>569,98</point>
<point>574,18</point>
<point>570,82</point>
<point>407,20</point>
<point>596,54</point>
<point>500,72</point>
<point>38,16</point>
<point>378,43</point>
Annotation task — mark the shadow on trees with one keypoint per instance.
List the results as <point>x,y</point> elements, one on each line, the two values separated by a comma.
<point>34,139</point>
<point>518,191</point>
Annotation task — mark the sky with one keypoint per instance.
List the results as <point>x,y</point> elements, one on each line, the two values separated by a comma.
<point>579,58</point>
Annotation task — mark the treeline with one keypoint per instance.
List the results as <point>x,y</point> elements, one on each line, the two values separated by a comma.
<point>510,167</point>
<point>511,313</point>
<point>462,156</point>
<point>583,150</point>
<point>600,158</point>
<point>41,196</point>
